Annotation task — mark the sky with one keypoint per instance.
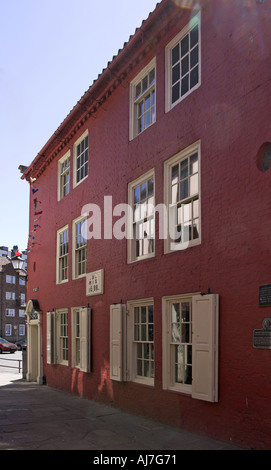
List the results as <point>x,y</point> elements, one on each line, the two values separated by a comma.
<point>51,51</point>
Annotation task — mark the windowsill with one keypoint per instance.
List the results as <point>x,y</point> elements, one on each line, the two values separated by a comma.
<point>185,389</point>
<point>81,181</point>
<point>134,136</point>
<point>62,282</point>
<point>79,277</point>
<point>179,247</point>
<point>142,258</point>
<point>170,106</point>
<point>142,381</point>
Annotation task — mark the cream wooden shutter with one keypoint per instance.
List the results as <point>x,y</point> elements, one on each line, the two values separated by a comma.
<point>205,347</point>
<point>85,339</point>
<point>50,338</point>
<point>117,341</point>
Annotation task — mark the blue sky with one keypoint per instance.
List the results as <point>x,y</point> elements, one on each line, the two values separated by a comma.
<point>51,51</point>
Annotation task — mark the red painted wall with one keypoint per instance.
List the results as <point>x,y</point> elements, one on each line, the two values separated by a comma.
<point>230,114</point>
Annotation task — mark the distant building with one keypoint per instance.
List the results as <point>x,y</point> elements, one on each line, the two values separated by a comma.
<point>12,302</point>
<point>9,252</point>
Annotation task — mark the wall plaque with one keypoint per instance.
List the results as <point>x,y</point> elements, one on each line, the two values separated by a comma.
<point>95,283</point>
<point>265,295</point>
<point>262,338</point>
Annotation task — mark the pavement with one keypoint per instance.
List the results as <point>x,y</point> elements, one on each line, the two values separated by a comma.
<point>38,417</point>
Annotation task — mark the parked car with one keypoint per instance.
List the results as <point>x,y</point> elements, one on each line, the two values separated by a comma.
<point>6,346</point>
<point>21,344</point>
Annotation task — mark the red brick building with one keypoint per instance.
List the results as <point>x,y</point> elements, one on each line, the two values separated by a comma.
<point>158,315</point>
<point>12,302</point>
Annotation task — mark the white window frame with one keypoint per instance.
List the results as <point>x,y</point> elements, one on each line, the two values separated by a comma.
<point>81,338</point>
<point>21,329</point>
<point>10,295</point>
<point>168,359</point>
<point>76,250</point>
<point>22,300</point>
<point>168,63</point>
<point>62,336</point>
<point>135,100</point>
<point>204,343</point>
<point>148,217</point>
<point>61,187</point>
<point>10,312</point>
<point>21,312</point>
<point>78,142</point>
<point>172,208</point>
<point>8,330</point>
<point>60,258</point>
<point>10,279</point>
<point>132,342</point>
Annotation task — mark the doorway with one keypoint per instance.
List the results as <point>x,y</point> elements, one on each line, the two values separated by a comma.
<point>34,342</point>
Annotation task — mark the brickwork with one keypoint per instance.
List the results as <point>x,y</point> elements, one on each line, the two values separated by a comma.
<point>229,114</point>
<point>13,303</point>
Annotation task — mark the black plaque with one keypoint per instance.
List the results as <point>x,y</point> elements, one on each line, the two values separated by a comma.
<point>262,338</point>
<point>265,295</point>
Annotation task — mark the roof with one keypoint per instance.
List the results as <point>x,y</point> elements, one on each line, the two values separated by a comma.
<point>3,262</point>
<point>107,82</point>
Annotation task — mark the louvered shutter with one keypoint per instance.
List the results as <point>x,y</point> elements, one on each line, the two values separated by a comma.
<point>117,339</point>
<point>85,339</point>
<point>205,347</point>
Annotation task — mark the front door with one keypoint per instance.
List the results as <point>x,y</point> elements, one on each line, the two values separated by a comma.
<point>34,342</point>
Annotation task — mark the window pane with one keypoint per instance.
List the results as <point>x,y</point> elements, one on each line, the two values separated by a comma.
<point>136,333</point>
<point>151,77</point>
<point>194,57</point>
<point>194,36</point>
<point>184,189</point>
<point>147,119</point>
<point>196,229</point>
<point>143,338</point>
<point>194,77</point>
<point>194,164</point>
<point>185,312</point>
<point>136,314</point>
<point>185,65</point>
<point>175,313</point>
<point>185,85</point>
<point>139,367</point>
<point>147,102</point>
<point>150,314</point>
<point>184,168</point>
<point>184,45</point>
<point>143,191</point>
<point>150,333</point>
<point>143,315</point>
<point>150,187</point>
<point>140,125</point>
<point>136,194</point>
<point>175,333</point>
<point>194,187</point>
<point>175,54</point>
<point>175,92</point>
<point>145,83</point>
<point>138,90</point>
<point>176,73</point>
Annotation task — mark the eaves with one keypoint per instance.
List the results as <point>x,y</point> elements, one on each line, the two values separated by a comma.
<point>145,38</point>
